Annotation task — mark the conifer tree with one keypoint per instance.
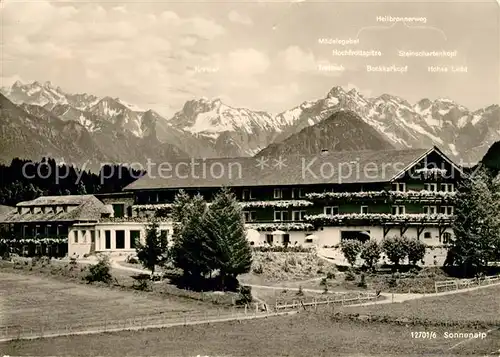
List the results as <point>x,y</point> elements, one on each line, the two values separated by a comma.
<point>476,225</point>
<point>154,251</point>
<point>189,251</point>
<point>227,242</point>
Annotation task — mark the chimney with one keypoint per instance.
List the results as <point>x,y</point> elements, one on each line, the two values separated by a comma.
<point>324,152</point>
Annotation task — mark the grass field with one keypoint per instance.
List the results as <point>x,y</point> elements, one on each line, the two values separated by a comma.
<point>31,300</point>
<point>476,305</point>
<point>305,334</point>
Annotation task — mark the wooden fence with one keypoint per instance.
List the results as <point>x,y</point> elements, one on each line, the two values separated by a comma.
<point>57,327</point>
<point>458,284</point>
<point>341,298</point>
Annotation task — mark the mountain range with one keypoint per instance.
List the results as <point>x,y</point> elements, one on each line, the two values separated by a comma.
<point>85,127</point>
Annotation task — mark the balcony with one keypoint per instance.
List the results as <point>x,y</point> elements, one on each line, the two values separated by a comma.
<point>281,226</point>
<point>391,196</point>
<point>378,218</point>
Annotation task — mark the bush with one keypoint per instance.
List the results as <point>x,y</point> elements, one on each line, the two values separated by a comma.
<point>131,260</point>
<point>300,292</point>
<point>6,255</point>
<point>142,283</point>
<point>34,261</point>
<point>244,295</point>
<point>395,248</point>
<point>392,282</point>
<point>100,272</point>
<point>415,250</point>
<point>351,249</point>
<point>330,275</point>
<point>281,249</point>
<point>323,282</point>
<point>350,276</point>
<point>370,253</point>
<point>258,269</point>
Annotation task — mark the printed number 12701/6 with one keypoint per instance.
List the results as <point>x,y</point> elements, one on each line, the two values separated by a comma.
<point>424,334</point>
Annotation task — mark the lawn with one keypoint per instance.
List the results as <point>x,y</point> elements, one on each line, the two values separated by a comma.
<point>477,305</point>
<point>30,301</point>
<point>305,334</point>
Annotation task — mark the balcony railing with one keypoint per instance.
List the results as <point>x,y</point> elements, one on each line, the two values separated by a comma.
<point>37,240</point>
<point>422,195</point>
<point>134,219</point>
<point>281,226</point>
<point>323,219</point>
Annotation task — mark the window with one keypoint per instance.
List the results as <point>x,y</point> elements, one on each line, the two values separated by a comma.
<point>298,215</point>
<point>120,239</point>
<point>245,195</point>
<point>84,237</point>
<point>447,187</point>
<point>399,186</point>
<point>430,187</point>
<point>427,235</point>
<point>364,209</point>
<point>331,210</point>
<point>135,237</point>
<point>32,210</point>
<point>286,239</point>
<point>430,210</point>
<point>398,210</point>
<point>92,237</point>
<point>54,209</point>
<point>65,208</point>
<point>107,239</point>
<point>446,238</point>
<point>249,216</point>
<point>42,209</point>
<point>308,240</point>
<point>119,209</point>
<point>298,193</point>
<point>269,238</point>
<point>278,193</point>
<point>76,234</point>
<point>281,215</point>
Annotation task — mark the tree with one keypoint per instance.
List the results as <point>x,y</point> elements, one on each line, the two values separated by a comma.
<point>155,250</point>
<point>227,241</point>
<point>351,249</point>
<point>189,251</point>
<point>476,225</point>
<point>415,249</point>
<point>370,253</point>
<point>395,249</point>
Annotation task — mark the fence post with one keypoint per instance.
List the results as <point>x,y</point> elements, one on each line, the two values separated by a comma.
<point>392,298</point>
<point>456,284</point>
<point>436,287</point>
<point>246,309</point>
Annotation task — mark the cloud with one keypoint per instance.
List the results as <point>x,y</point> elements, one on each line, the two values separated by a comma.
<point>105,49</point>
<point>248,62</point>
<point>296,59</point>
<point>238,18</point>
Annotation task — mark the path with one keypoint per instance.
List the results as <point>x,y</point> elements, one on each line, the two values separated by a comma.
<point>389,297</point>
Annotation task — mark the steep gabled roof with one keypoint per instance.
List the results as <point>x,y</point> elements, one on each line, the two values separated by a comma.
<point>334,167</point>
<point>89,209</point>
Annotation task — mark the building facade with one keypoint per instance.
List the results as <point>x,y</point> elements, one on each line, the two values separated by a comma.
<point>316,200</point>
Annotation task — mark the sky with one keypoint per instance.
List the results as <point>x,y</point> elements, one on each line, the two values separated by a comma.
<point>260,55</point>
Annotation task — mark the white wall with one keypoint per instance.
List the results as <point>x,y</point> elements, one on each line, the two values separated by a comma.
<point>83,246</point>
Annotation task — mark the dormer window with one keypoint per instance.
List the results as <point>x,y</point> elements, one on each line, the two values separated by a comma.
<point>32,210</point>
<point>65,208</point>
<point>42,209</point>
<point>19,210</point>
<point>54,209</point>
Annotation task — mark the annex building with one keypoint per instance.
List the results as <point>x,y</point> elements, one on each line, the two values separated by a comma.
<point>317,200</point>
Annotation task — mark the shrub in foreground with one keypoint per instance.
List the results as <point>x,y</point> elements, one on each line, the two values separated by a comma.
<point>100,272</point>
